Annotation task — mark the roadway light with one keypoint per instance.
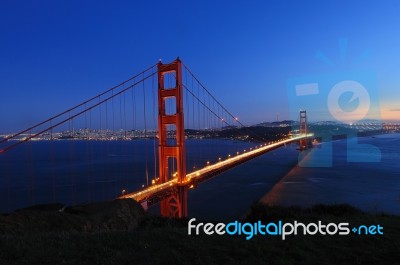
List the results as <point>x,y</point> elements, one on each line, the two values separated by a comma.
<point>229,155</point>
<point>219,159</point>
<point>123,192</point>
<point>208,162</point>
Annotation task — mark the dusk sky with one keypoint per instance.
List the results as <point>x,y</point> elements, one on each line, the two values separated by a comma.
<point>55,54</point>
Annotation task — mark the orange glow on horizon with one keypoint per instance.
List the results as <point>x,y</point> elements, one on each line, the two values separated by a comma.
<point>390,114</point>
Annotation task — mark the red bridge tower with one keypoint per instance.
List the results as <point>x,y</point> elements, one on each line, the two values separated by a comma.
<point>176,204</point>
<point>303,129</point>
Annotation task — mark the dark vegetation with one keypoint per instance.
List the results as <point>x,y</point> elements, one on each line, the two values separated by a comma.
<point>120,232</point>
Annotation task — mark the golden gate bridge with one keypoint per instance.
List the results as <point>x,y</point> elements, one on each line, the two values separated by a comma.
<point>165,105</point>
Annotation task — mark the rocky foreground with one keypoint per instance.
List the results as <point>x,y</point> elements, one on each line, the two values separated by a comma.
<point>120,232</point>
<point>117,215</point>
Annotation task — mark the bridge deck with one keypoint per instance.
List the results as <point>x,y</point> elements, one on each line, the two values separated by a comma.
<point>210,170</point>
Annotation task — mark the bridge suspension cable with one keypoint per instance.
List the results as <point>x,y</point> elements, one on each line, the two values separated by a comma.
<point>78,155</point>
<point>145,75</point>
<point>229,114</point>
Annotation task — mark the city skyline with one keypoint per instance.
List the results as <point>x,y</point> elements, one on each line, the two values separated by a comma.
<point>55,55</point>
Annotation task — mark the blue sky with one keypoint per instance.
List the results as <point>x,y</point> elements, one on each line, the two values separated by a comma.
<point>55,54</point>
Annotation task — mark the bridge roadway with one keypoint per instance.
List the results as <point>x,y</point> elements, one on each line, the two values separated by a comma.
<point>209,171</point>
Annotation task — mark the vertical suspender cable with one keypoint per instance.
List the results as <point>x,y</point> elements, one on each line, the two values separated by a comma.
<point>145,130</point>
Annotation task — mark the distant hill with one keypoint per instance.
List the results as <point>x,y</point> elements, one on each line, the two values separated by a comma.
<point>284,123</point>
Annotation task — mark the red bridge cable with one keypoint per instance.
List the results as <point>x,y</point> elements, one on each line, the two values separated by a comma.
<point>77,106</point>
<point>69,118</point>
<point>219,103</point>
<point>218,115</point>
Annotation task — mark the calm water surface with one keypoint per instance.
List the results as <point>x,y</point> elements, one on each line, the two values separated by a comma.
<point>78,171</point>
